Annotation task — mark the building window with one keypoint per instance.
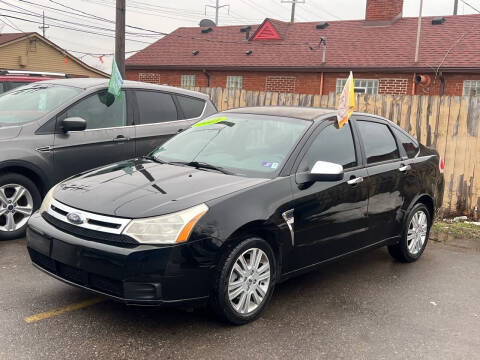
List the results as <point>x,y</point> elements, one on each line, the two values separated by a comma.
<point>234,82</point>
<point>471,87</point>
<point>188,81</point>
<point>362,86</point>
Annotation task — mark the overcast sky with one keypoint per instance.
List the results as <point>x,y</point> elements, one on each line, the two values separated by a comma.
<point>166,16</point>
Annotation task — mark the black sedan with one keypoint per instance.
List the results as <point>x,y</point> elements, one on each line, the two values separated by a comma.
<point>237,203</point>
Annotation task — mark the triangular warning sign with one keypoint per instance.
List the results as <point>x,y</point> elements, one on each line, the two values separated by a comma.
<point>266,31</point>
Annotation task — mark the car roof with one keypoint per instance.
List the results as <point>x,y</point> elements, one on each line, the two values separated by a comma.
<point>305,113</point>
<point>90,83</point>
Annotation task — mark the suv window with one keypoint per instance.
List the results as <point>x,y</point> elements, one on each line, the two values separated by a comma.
<point>410,145</point>
<point>191,107</point>
<point>155,107</point>
<point>380,145</point>
<point>333,145</point>
<point>101,110</point>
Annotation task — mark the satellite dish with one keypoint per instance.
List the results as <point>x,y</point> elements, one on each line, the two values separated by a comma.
<point>207,23</point>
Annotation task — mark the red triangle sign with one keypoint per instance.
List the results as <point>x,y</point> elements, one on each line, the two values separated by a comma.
<point>266,32</point>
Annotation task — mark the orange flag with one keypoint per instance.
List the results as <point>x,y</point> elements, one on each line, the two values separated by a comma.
<point>346,105</point>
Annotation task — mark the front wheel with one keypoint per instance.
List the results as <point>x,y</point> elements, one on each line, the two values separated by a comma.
<point>414,237</point>
<point>19,198</point>
<point>245,281</point>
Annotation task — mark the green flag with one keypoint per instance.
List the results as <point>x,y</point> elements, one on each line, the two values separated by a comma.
<point>116,81</point>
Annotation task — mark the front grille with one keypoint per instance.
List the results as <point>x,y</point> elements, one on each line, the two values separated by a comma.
<point>91,235</point>
<point>77,276</point>
<point>90,221</point>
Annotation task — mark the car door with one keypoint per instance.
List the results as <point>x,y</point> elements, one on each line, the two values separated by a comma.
<point>158,117</point>
<point>386,176</point>
<point>108,137</point>
<point>330,217</point>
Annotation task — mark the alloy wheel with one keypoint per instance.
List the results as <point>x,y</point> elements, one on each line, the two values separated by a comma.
<point>417,232</point>
<point>249,281</point>
<point>16,207</point>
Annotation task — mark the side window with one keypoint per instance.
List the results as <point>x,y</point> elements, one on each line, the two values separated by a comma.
<point>2,87</point>
<point>155,107</point>
<point>101,110</point>
<point>191,107</point>
<point>380,145</point>
<point>333,145</point>
<point>410,146</point>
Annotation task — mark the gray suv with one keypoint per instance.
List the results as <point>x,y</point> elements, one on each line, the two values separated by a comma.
<point>53,129</point>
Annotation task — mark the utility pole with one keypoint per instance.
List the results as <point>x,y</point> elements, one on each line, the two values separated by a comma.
<point>217,8</point>
<point>120,37</point>
<point>294,3</point>
<point>419,28</point>
<point>455,7</point>
<point>43,27</point>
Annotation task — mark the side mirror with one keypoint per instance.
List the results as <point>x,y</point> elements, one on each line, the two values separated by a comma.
<point>322,171</point>
<point>74,124</point>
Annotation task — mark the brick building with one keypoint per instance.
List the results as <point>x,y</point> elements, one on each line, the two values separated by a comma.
<point>315,57</point>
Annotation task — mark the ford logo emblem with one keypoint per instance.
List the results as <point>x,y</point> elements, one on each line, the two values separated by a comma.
<point>76,218</point>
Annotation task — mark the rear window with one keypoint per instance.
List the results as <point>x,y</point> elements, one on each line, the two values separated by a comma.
<point>410,145</point>
<point>191,107</point>
<point>380,145</point>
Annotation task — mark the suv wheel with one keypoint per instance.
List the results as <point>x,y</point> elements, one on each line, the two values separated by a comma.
<point>414,237</point>
<point>245,281</point>
<point>19,198</point>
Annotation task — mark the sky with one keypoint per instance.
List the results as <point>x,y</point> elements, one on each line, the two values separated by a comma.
<point>165,16</point>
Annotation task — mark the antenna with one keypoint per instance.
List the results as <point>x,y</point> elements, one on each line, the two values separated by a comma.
<point>217,7</point>
<point>293,2</point>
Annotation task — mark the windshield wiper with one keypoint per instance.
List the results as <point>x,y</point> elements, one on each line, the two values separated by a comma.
<point>203,165</point>
<point>157,160</point>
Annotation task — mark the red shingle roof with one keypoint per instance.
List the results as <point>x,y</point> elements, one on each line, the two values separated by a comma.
<point>4,38</point>
<point>350,45</point>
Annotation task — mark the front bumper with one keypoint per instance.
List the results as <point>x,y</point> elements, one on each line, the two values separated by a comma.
<point>134,274</point>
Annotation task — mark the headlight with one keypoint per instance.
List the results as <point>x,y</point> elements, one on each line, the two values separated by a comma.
<point>47,200</point>
<point>167,229</point>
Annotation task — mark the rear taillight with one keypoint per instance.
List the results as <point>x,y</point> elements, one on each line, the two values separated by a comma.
<point>441,165</point>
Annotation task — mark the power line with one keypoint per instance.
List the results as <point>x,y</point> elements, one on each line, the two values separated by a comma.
<point>70,28</point>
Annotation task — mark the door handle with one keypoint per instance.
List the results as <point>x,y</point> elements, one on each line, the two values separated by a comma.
<point>354,181</point>
<point>404,168</point>
<point>180,130</point>
<point>121,138</point>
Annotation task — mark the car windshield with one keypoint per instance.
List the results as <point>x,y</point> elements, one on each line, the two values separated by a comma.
<point>248,145</point>
<point>31,102</point>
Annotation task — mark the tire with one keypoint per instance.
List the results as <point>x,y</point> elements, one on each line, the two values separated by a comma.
<point>255,284</point>
<point>413,242</point>
<point>23,207</point>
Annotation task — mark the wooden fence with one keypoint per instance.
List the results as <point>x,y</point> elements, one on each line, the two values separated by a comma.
<point>446,123</point>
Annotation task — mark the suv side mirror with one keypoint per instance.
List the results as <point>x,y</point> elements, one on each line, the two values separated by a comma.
<point>74,124</point>
<point>322,171</point>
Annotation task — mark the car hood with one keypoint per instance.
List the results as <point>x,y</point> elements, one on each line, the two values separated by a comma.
<point>9,131</point>
<point>142,188</point>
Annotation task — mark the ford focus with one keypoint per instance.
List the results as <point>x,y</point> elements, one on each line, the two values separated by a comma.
<point>239,202</point>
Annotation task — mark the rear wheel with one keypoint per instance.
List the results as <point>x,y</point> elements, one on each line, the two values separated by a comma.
<point>245,281</point>
<point>19,198</point>
<point>414,237</point>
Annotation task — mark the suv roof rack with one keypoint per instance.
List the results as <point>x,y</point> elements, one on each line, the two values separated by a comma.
<point>31,73</point>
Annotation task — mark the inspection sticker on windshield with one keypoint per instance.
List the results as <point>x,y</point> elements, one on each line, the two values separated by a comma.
<point>269,164</point>
<point>210,121</point>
